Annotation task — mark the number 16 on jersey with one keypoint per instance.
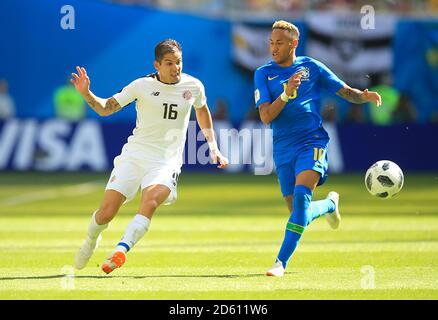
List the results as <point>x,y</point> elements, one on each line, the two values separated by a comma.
<point>169,111</point>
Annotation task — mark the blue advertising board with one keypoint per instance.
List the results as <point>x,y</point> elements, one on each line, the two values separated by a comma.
<point>59,145</point>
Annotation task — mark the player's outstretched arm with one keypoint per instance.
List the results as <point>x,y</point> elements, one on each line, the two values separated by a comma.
<point>205,122</point>
<point>103,107</point>
<point>357,96</point>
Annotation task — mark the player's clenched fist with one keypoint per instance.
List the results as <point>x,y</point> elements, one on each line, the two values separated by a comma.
<point>293,83</point>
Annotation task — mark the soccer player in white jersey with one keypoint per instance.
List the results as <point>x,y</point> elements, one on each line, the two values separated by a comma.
<point>152,158</point>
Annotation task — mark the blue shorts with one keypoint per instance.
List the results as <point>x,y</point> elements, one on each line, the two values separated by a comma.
<point>310,157</point>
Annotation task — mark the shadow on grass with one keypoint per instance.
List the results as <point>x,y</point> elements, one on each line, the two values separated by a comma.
<point>59,276</point>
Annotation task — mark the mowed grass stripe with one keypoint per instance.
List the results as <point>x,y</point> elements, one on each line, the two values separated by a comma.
<point>189,223</point>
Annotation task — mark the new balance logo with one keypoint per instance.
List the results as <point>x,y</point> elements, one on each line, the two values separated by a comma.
<point>155,94</point>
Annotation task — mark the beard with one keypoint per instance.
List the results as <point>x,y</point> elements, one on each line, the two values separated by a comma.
<point>283,59</point>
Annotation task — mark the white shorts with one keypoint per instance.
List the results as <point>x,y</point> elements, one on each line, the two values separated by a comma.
<point>129,175</point>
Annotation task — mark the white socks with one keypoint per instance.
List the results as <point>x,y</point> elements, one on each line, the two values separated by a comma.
<point>134,232</point>
<point>94,229</point>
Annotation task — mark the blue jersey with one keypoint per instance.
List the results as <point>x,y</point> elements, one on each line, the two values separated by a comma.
<point>300,121</point>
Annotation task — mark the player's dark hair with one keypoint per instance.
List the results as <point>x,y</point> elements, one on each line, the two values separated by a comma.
<point>166,46</point>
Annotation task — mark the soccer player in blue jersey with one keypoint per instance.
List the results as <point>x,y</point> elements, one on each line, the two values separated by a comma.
<point>287,94</point>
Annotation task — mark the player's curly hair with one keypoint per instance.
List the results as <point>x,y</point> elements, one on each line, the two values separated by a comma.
<point>166,46</point>
<point>284,25</point>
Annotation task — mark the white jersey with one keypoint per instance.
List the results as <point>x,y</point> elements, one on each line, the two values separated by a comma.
<point>163,114</point>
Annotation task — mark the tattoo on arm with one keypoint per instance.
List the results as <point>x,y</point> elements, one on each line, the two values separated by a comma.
<point>112,105</point>
<point>351,94</point>
<point>103,107</point>
<point>92,103</point>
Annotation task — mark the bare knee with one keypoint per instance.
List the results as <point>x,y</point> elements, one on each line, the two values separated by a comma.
<point>106,213</point>
<point>308,178</point>
<point>111,203</point>
<point>151,199</point>
<point>150,204</point>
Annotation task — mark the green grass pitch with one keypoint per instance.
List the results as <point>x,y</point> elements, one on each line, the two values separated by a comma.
<point>218,240</point>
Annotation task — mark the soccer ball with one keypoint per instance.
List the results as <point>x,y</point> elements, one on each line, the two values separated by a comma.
<point>384,179</point>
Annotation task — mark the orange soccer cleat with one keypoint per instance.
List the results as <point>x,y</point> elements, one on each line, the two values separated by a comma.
<point>116,260</point>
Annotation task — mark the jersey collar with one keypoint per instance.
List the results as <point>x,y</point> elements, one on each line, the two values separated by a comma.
<point>157,76</point>
<point>281,67</point>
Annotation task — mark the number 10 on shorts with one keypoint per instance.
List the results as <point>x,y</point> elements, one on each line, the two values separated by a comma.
<point>318,154</point>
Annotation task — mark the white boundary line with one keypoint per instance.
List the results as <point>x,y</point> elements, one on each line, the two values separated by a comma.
<point>53,193</point>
